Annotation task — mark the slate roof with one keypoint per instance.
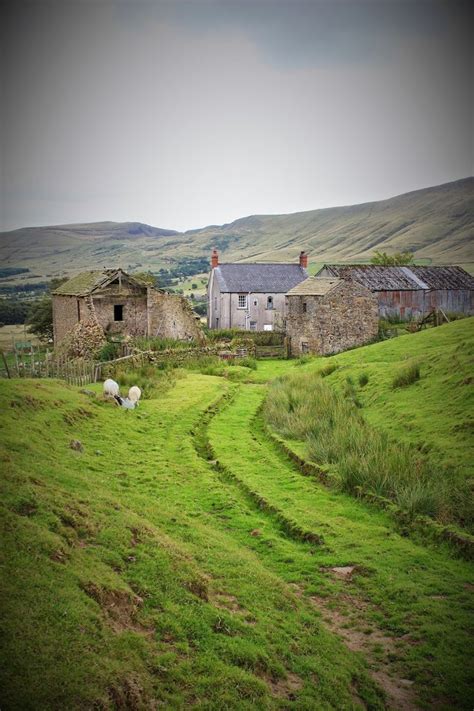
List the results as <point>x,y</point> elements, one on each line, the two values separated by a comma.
<point>87,282</point>
<point>259,278</point>
<point>379,278</point>
<point>315,286</point>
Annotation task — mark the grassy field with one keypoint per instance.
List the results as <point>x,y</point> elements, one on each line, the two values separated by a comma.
<point>435,412</point>
<point>173,556</point>
<point>15,333</point>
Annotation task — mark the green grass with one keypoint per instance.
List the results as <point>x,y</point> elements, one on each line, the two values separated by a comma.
<point>129,571</point>
<point>410,591</point>
<point>434,413</point>
<point>177,559</point>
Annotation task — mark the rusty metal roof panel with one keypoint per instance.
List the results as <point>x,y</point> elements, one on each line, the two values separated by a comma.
<point>379,278</point>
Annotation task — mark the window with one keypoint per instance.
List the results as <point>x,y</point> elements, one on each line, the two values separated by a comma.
<point>305,307</point>
<point>253,325</point>
<point>304,347</point>
<point>269,302</point>
<point>118,312</point>
<point>242,303</point>
<point>268,327</point>
<point>255,302</point>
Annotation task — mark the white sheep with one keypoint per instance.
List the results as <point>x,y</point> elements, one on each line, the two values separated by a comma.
<point>134,394</point>
<point>111,388</point>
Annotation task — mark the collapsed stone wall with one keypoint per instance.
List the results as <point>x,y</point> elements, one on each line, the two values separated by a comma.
<point>347,316</point>
<point>171,316</point>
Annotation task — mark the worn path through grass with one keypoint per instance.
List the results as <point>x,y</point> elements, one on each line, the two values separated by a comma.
<point>410,602</point>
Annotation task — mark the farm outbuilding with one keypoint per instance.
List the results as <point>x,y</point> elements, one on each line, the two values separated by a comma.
<point>410,291</point>
<point>118,303</point>
<point>328,315</point>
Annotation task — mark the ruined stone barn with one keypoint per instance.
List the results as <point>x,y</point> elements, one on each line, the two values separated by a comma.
<point>410,291</point>
<point>251,296</point>
<point>328,315</point>
<point>121,304</point>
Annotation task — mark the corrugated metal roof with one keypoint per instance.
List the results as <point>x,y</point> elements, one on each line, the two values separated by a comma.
<point>87,282</point>
<point>379,278</point>
<point>315,286</point>
<point>259,278</point>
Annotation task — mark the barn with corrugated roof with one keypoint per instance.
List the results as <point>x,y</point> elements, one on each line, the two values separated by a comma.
<point>410,291</point>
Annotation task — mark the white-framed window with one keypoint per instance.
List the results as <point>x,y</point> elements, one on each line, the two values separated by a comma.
<point>267,327</point>
<point>269,302</point>
<point>242,301</point>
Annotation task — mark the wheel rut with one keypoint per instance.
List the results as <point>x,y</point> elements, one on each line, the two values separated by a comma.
<point>398,691</point>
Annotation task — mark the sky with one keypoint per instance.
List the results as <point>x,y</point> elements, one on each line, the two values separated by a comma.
<point>184,114</point>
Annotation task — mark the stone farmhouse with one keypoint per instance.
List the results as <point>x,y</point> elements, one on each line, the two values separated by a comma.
<point>120,304</point>
<point>251,296</point>
<point>328,315</point>
<point>411,291</point>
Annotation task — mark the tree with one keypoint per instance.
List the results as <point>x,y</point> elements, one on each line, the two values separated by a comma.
<point>40,318</point>
<point>392,260</point>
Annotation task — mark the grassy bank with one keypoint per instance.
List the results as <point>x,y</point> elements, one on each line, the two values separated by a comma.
<point>394,418</point>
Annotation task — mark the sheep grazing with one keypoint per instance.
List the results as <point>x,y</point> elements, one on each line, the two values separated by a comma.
<point>134,394</point>
<point>111,388</point>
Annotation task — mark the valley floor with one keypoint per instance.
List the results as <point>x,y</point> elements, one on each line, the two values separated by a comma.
<point>173,557</point>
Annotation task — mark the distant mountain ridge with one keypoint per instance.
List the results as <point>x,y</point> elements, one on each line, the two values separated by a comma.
<point>435,223</point>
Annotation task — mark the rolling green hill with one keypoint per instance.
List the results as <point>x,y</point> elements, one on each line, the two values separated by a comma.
<point>436,223</point>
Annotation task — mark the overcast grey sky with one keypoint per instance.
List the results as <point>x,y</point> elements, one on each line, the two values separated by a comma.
<point>183,114</point>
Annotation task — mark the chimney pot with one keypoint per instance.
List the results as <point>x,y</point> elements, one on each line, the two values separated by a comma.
<point>303,260</point>
<point>214,259</point>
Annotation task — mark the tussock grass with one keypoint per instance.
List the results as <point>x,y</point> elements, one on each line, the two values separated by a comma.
<point>406,375</point>
<point>303,407</point>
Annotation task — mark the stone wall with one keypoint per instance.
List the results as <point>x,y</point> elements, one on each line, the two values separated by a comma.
<point>134,312</point>
<point>66,311</point>
<point>345,317</point>
<point>171,316</point>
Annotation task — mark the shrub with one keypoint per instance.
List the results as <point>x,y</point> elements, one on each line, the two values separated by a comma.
<point>406,376</point>
<point>109,351</point>
<point>363,379</point>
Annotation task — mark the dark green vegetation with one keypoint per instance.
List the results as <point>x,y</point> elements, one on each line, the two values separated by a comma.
<point>434,224</point>
<point>175,553</point>
<point>394,419</point>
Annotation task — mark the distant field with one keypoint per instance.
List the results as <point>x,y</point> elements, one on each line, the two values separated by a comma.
<point>15,333</point>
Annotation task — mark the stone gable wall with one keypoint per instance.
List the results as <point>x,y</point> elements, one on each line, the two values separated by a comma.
<point>65,315</point>
<point>171,316</point>
<point>344,318</point>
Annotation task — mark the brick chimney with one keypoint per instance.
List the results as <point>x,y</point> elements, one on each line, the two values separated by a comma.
<point>214,259</point>
<point>303,260</point>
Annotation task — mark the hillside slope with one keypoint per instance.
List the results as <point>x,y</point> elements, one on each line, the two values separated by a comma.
<point>140,573</point>
<point>436,223</point>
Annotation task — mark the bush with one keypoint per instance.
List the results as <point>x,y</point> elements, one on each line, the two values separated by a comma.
<point>363,379</point>
<point>109,351</point>
<point>406,376</point>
